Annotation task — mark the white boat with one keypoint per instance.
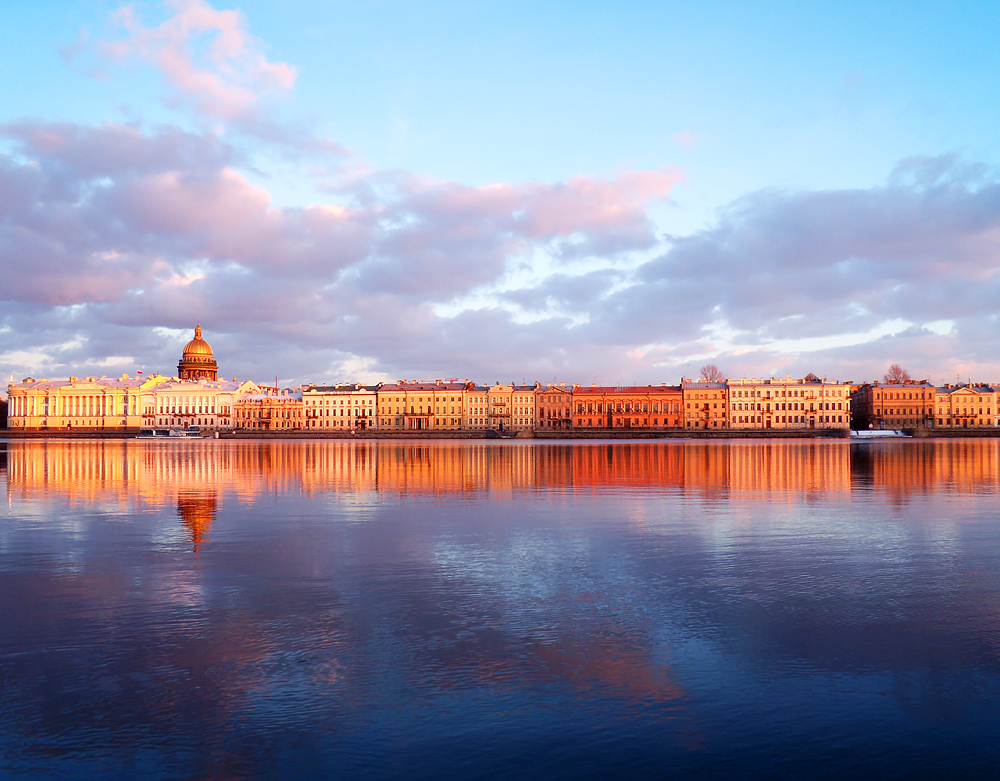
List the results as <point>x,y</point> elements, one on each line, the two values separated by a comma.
<point>169,433</point>
<point>879,434</point>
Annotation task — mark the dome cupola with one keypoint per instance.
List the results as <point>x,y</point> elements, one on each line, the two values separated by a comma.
<point>197,360</point>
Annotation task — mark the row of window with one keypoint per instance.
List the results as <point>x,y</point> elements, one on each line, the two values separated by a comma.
<point>785,393</point>
<point>589,408</point>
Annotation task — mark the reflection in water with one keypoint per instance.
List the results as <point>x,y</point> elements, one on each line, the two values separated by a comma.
<point>429,609</point>
<point>83,471</point>
<point>196,510</point>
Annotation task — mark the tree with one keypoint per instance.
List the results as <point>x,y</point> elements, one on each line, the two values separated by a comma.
<point>712,373</point>
<point>896,375</point>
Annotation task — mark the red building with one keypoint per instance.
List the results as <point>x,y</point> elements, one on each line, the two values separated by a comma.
<point>639,407</point>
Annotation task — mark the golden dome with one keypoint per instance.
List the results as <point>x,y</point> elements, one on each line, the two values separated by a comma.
<point>198,346</point>
<point>197,361</point>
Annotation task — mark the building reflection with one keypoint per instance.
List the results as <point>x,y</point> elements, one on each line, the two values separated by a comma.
<point>902,469</point>
<point>194,475</point>
<point>86,470</point>
<point>196,510</point>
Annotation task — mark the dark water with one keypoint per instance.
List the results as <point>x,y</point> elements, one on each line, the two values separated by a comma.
<point>732,610</point>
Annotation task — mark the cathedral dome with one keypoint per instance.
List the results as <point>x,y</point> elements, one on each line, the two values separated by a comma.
<point>197,360</point>
<point>198,346</point>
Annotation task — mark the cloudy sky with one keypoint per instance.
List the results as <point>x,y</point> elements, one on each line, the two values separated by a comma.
<point>564,191</point>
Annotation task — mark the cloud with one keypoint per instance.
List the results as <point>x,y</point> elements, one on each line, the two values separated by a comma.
<point>206,55</point>
<point>171,231</point>
<point>687,139</point>
<point>413,276</point>
<point>795,265</point>
<point>211,65</point>
<point>112,149</point>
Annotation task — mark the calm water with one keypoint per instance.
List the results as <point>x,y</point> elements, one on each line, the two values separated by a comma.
<point>748,610</point>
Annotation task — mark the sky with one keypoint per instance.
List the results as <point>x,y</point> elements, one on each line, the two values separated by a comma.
<point>559,192</point>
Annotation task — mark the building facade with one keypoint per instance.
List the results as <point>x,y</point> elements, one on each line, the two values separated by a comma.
<point>345,407</point>
<point>554,408</point>
<point>477,407</point>
<point>705,404</point>
<point>208,405</point>
<point>639,407</point>
<point>90,404</point>
<point>522,407</point>
<point>500,403</point>
<point>268,410</point>
<point>893,406</point>
<point>417,405</point>
<point>965,406</point>
<point>775,403</point>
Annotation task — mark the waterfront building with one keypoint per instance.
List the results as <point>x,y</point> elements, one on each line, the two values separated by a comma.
<point>344,407</point>
<point>500,405</point>
<point>126,404</point>
<point>588,407</point>
<point>418,405</point>
<point>90,404</point>
<point>554,408</point>
<point>269,409</point>
<point>965,406</point>
<point>809,403</point>
<point>476,399</point>
<point>522,407</point>
<point>893,406</point>
<point>705,404</point>
<point>205,404</point>
<point>197,360</point>
<point>391,406</point>
<point>649,407</point>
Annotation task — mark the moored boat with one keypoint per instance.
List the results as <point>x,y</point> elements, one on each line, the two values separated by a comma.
<point>169,433</point>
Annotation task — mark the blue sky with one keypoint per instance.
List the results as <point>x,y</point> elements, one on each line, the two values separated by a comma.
<point>562,191</point>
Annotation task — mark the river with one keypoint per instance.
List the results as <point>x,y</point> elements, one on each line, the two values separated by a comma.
<point>479,609</point>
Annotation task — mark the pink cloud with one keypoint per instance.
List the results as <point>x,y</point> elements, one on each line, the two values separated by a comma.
<point>586,204</point>
<point>687,139</point>
<point>598,215</point>
<point>206,55</point>
<point>172,227</point>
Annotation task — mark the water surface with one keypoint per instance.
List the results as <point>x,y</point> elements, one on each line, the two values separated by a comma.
<point>741,609</point>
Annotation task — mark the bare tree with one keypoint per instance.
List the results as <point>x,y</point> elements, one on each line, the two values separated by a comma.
<point>896,375</point>
<point>712,373</point>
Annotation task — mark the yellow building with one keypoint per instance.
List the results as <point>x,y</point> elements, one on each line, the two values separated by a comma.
<point>965,406</point>
<point>500,403</point>
<point>269,410</point>
<point>413,405</point>
<point>893,406</point>
<point>522,407</point>
<point>90,404</point>
<point>705,404</point>
<point>476,399</point>
<point>345,407</point>
<point>127,404</point>
<point>788,404</point>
